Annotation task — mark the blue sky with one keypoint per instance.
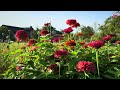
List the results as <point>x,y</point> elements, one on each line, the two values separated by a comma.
<point>57,18</point>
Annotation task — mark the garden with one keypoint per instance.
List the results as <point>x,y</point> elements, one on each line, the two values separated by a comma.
<point>86,54</point>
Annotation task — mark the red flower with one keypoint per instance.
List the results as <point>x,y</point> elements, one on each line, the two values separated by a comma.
<point>21,35</point>
<point>85,66</point>
<point>56,39</point>
<point>31,41</point>
<point>18,68</point>
<point>68,30</point>
<point>59,53</point>
<point>46,24</point>
<point>112,35</point>
<point>75,25</point>
<point>117,42</point>
<point>79,34</point>
<point>33,48</point>
<point>107,38</point>
<point>96,44</point>
<point>115,15</point>
<point>71,22</point>
<point>70,43</point>
<point>82,43</point>
<point>44,32</point>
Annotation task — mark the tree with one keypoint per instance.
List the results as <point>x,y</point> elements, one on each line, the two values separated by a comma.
<point>87,31</point>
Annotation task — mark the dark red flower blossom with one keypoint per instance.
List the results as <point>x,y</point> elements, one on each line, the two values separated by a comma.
<point>31,42</point>
<point>56,39</point>
<point>21,35</point>
<point>107,38</point>
<point>70,43</point>
<point>59,53</point>
<point>71,22</point>
<point>68,30</point>
<point>44,32</point>
<point>117,42</point>
<point>85,66</point>
<point>46,24</point>
<point>75,25</point>
<point>113,35</point>
<point>96,44</point>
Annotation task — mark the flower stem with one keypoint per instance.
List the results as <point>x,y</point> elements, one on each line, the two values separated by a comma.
<point>85,74</point>
<point>108,50</point>
<point>97,62</point>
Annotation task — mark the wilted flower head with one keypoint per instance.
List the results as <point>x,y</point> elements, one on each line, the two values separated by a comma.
<point>33,48</point>
<point>68,30</point>
<point>18,68</point>
<point>71,22</point>
<point>107,38</point>
<point>44,32</point>
<point>53,68</point>
<point>96,44</point>
<point>31,42</point>
<point>115,15</point>
<point>61,52</point>
<point>70,43</point>
<point>82,43</point>
<point>21,35</point>
<point>79,34</point>
<point>117,42</point>
<point>85,66</point>
<point>85,46</point>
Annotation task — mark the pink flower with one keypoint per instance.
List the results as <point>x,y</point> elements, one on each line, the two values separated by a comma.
<point>115,15</point>
<point>71,22</point>
<point>44,32</point>
<point>31,42</point>
<point>59,53</point>
<point>107,38</point>
<point>68,30</point>
<point>21,35</point>
<point>117,42</point>
<point>85,66</point>
<point>96,44</point>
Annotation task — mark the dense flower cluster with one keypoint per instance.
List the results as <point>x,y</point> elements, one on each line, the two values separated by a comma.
<point>68,30</point>
<point>107,38</point>
<point>85,66</point>
<point>21,35</point>
<point>70,43</point>
<point>61,52</point>
<point>96,44</point>
<point>31,42</point>
<point>44,32</point>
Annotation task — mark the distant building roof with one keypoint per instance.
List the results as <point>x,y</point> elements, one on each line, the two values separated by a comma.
<point>19,28</point>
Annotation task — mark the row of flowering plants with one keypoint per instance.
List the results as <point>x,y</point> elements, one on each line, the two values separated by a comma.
<point>64,57</point>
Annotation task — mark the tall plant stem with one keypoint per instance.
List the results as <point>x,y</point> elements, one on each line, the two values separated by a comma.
<point>97,62</point>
